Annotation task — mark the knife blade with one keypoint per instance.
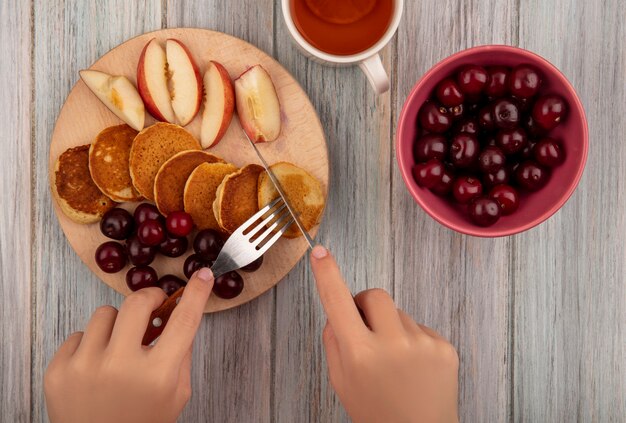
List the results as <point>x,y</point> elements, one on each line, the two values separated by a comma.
<point>281,192</point>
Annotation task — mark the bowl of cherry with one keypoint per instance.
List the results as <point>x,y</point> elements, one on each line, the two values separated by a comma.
<point>492,141</point>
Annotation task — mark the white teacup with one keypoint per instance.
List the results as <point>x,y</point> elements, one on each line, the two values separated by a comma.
<point>368,60</point>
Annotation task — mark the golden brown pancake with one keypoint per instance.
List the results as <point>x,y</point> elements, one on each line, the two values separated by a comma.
<point>169,184</point>
<point>151,148</point>
<point>76,193</point>
<point>108,163</point>
<point>236,197</point>
<point>303,191</point>
<point>200,191</point>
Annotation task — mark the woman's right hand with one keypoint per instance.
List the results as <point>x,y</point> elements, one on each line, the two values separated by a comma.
<point>390,370</point>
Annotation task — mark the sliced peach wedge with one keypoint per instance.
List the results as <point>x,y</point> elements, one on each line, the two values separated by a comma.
<point>118,94</point>
<point>219,104</point>
<point>152,82</point>
<point>257,104</point>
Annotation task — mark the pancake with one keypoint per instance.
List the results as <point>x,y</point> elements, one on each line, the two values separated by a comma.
<point>151,148</point>
<point>108,163</point>
<point>76,193</point>
<point>169,184</point>
<point>303,191</point>
<point>200,191</point>
<point>236,198</point>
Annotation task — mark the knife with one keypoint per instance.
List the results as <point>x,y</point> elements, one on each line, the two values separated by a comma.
<point>281,192</point>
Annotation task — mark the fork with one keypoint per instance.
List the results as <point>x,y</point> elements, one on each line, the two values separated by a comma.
<point>241,249</point>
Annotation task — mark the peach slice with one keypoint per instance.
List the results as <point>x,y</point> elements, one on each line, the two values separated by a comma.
<point>257,104</point>
<point>185,81</point>
<point>118,94</point>
<point>219,104</point>
<point>152,76</point>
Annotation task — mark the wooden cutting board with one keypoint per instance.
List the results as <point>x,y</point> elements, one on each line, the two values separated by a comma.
<point>301,142</point>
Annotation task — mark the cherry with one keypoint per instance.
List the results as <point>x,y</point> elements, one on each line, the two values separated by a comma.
<point>457,112</point>
<point>428,174</point>
<point>532,128</point>
<point>467,125</point>
<point>430,147</point>
<point>173,247</point>
<point>170,284</point>
<point>193,263</point>
<point>501,176</point>
<point>485,118</point>
<point>465,188</point>
<point>549,110</point>
<point>484,211</point>
<point>434,119</point>
<point>110,257</point>
<point>491,159</point>
<point>228,285</point>
<point>530,176</point>
<point>445,185</point>
<point>208,244</point>
<point>505,113</point>
<point>548,153</point>
<point>472,79</point>
<point>525,81</point>
<point>464,150</point>
<point>179,223</point>
<point>507,197</point>
<point>138,253</point>
<point>254,266</point>
<point>511,141</point>
<point>448,93</point>
<point>146,211</point>
<point>141,277</point>
<point>498,81</point>
<point>527,152</point>
<point>117,224</point>
<point>151,232</point>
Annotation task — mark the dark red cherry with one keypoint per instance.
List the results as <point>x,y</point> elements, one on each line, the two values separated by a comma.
<point>117,224</point>
<point>484,211</point>
<point>472,79</point>
<point>498,81</point>
<point>448,93</point>
<point>228,286</point>
<point>549,110</point>
<point>254,266</point>
<point>506,114</point>
<point>465,188</point>
<point>173,246</point>
<point>485,118</point>
<point>445,185</point>
<point>170,284</point>
<point>138,253</point>
<point>530,176</point>
<point>435,119</point>
<point>208,244</point>
<point>527,152</point>
<point>146,211</point>
<point>430,146</point>
<point>110,257</point>
<point>525,81</point>
<point>532,128</point>
<point>428,174</point>
<point>141,277</point>
<point>548,153</point>
<point>491,159</point>
<point>500,176</point>
<point>179,223</point>
<point>511,141</point>
<point>151,232</point>
<point>193,263</point>
<point>507,197</point>
<point>464,150</point>
<point>457,112</point>
<point>467,125</point>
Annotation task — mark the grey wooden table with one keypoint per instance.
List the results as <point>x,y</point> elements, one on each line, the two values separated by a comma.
<point>538,319</point>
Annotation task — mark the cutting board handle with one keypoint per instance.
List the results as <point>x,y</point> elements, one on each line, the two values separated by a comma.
<point>160,316</point>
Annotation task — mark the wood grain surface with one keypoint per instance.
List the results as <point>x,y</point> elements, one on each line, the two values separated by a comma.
<point>538,318</point>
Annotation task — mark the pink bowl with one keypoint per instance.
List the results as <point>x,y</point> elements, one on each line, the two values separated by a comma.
<point>534,207</point>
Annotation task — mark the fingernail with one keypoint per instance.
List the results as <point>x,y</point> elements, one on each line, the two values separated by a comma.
<point>204,274</point>
<point>319,252</point>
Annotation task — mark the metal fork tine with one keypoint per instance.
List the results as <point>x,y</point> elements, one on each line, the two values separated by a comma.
<point>276,236</point>
<point>257,216</point>
<point>271,229</point>
<point>267,220</point>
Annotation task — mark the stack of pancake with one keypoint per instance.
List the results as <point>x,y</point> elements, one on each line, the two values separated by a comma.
<point>166,165</point>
